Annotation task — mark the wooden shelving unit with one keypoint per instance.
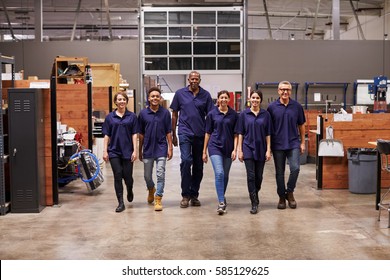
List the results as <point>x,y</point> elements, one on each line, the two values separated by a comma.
<point>65,70</point>
<point>72,101</point>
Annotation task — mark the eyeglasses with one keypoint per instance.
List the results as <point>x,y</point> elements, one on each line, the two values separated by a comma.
<point>285,89</point>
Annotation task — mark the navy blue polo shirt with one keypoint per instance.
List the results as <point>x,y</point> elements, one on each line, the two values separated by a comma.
<point>155,126</point>
<point>254,130</point>
<point>221,126</point>
<point>120,130</point>
<point>285,120</point>
<point>193,110</point>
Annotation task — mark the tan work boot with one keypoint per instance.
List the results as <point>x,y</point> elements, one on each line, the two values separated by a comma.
<point>291,200</point>
<point>157,203</point>
<point>151,195</point>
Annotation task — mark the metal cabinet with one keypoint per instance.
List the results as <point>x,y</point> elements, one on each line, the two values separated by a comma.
<point>26,148</point>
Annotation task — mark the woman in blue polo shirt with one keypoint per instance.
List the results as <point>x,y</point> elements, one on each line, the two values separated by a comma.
<point>254,128</point>
<point>155,144</point>
<point>120,129</point>
<point>221,142</point>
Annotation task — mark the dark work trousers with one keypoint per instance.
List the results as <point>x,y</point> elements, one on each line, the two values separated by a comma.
<point>122,169</point>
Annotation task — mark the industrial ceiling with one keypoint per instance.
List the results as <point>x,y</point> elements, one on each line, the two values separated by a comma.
<point>119,19</point>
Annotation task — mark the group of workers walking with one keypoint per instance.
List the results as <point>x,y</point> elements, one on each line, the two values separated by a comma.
<point>205,131</point>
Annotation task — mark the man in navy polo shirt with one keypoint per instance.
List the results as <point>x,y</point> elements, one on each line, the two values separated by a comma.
<point>155,144</point>
<point>287,142</point>
<point>193,102</point>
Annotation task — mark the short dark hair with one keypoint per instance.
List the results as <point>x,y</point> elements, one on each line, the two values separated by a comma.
<point>193,72</point>
<point>223,92</point>
<point>154,89</point>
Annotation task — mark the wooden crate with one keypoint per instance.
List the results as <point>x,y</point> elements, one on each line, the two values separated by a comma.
<point>105,75</point>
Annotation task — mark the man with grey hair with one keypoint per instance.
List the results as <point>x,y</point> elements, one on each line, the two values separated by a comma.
<point>287,142</point>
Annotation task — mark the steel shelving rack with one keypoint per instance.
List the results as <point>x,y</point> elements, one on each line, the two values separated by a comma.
<point>344,86</point>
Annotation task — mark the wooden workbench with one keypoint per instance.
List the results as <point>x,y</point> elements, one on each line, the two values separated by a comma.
<point>355,134</point>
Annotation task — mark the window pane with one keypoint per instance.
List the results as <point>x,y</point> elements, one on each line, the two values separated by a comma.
<point>229,48</point>
<point>207,33</point>
<point>155,48</point>
<point>204,48</point>
<point>155,33</point>
<point>229,63</point>
<point>180,63</point>
<point>204,18</point>
<point>185,39</point>
<point>180,48</point>
<point>179,17</point>
<point>229,17</point>
<point>156,63</point>
<point>228,32</point>
<point>204,63</point>
<point>155,18</point>
<point>176,33</point>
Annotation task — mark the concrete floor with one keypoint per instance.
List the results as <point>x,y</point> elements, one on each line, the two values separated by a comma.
<point>327,225</point>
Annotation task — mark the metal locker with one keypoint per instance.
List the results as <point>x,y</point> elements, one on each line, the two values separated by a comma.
<point>26,148</point>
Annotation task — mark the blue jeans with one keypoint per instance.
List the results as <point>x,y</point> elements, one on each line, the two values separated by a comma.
<point>160,173</point>
<point>221,166</point>
<point>191,150</point>
<point>254,174</point>
<point>280,157</point>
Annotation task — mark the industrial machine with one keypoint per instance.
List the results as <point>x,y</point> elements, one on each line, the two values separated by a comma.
<point>378,90</point>
<point>82,164</point>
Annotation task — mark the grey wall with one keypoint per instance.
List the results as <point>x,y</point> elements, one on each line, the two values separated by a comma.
<point>316,61</point>
<point>36,59</point>
<point>268,61</point>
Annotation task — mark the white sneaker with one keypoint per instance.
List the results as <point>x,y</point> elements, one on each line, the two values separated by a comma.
<point>221,208</point>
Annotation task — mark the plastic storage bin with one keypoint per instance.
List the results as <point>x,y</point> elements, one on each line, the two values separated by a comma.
<point>362,170</point>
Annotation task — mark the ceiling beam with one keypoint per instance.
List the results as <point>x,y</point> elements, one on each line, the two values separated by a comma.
<point>357,20</point>
<point>38,20</point>
<point>75,21</point>
<point>267,17</point>
<point>315,20</point>
<point>336,19</point>
<point>8,21</point>
<point>106,5</point>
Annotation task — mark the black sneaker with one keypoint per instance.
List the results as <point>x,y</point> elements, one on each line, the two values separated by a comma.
<point>221,208</point>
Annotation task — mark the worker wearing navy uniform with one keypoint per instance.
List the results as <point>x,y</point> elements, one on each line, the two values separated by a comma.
<point>287,142</point>
<point>120,129</point>
<point>254,129</point>
<point>155,144</point>
<point>193,102</point>
<point>221,141</point>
